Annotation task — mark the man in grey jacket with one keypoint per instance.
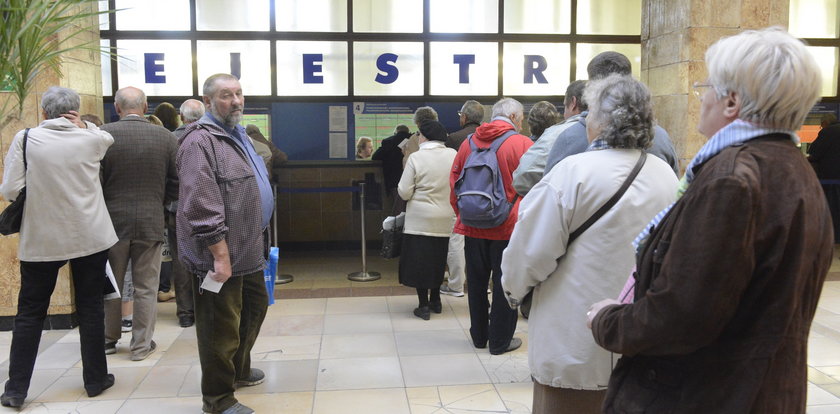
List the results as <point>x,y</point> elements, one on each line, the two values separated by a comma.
<point>223,212</point>
<point>572,139</point>
<point>138,180</point>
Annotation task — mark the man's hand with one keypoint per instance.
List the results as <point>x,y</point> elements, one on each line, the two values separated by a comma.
<point>74,117</point>
<point>221,262</point>
<point>595,308</point>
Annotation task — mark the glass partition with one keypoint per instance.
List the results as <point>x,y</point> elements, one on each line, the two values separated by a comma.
<point>814,18</point>
<point>465,69</point>
<point>464,16</point>
<point>538,16</point>
<point>540,69</point>
<point>388,16</point>
<point>158,67</point>
<point>246,59</point>
<point>160,15</point>
<point>827,58</point>
<point>609,17</point>
<point>311,15</point>
<point>242,15</point>
<point>309,68</point>
<point>587,51</point>
<point>388,68</point>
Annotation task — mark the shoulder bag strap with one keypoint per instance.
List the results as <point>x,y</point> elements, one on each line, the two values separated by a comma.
<point>611,202</point>
<point>25,135</point>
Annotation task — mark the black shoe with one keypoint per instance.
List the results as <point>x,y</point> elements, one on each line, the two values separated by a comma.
<point>96,390</point>
<point>110,348</point>
<point>256,377</point>
<point>436,307</point>
<point>9,401</point>
<point>514,344</point>
<point>186,321</point>
<point>423,313</point>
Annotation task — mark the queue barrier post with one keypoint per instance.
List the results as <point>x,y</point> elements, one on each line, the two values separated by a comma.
<point>364,275</point>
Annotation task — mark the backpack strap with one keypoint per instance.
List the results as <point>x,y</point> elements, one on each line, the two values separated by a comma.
<point>25,135</point>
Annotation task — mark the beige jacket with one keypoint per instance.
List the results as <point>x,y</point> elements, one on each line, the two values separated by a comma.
<point>65,215</point>
<point>425,185</point>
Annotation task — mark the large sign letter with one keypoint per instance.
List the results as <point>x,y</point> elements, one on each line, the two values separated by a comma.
<point>311,66</point>
<point>153,68</point>
<point>383,63</point>
<point>532,71</point>
<point>463,62</point>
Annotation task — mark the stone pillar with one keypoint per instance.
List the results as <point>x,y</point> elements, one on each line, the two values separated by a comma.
<point>675,36</point>
<point>81,70</point>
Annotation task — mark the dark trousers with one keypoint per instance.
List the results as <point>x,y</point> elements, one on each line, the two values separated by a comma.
<point>181,278</point>
<point>555,400</point>
<point>37,282</point>
<point>226,326</point>
<point>484,257</point>
<point>426,296</point>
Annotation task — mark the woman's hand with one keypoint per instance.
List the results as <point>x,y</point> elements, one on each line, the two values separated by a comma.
<point>595,308</point>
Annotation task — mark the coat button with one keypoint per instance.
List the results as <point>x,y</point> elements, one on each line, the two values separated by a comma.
<point>651,375</point>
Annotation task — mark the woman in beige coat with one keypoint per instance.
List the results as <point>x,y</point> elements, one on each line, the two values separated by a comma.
<point>428,219</point>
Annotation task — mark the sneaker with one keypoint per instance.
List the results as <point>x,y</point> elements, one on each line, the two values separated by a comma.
<point>143,355</point>
<point>110,348</point>
<point>126,325</point>
<point>514,344</point>
<point>446,290</point>
<point>257,377</point>
<point>10,401</point>
<point>237,408</point>
<point>165,296</point>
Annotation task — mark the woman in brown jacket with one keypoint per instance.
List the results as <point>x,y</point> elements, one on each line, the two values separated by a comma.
<point>729,276</point>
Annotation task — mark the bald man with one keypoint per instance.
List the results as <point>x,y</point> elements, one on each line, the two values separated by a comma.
<point>138,179</point>
<point>191,110</point>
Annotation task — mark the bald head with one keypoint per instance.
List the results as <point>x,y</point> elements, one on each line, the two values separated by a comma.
<point>191,110</point>
<point>130,101</point>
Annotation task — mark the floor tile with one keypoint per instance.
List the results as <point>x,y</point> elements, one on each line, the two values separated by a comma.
<point>421,371</point>
<point>79,407</point>
<point>824,409</point>
<point>358,346</point>
<point>299,307</point>
<point>439,342</point>
<point>162,405</point>
<point>284,376</point>
<point>406,321</point>
<point>286,348</point>
<point>356,305</point>
<point>162,381</point>
<point>357,324</point>
<point>359,373</point>
<point>518,397</point>
<point>506,368</point>
<point>279,402</point>
<point>376,401</point>
<point>293,325</point>
<point>59,355</point>
<point>819,396</point>
<point>455,399</point>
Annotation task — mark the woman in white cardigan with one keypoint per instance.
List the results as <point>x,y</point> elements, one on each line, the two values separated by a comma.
<point>428,218</point>
<point>570,371</point>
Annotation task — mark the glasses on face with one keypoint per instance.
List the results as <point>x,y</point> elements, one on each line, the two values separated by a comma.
<point>460,113</point>
<point>700,89</point>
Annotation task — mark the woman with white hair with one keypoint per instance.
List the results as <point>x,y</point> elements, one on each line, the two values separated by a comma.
<point>729,276</point>
<point>65,220</point>
<point>567,274</point>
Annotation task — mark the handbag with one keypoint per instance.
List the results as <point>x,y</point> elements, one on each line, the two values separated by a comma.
<point>391,241</point>
<point>525,304</point>
<point>12,215</point>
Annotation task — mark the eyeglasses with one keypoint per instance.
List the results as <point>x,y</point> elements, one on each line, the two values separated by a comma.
<point>700,89</point>
<point>460,113</point>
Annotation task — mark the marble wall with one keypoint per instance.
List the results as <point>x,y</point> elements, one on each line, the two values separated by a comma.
<point>81,72</point>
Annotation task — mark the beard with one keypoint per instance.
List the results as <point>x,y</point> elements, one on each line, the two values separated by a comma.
<point>232,119</point>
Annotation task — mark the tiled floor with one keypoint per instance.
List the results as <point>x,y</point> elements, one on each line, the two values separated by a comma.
<point>349,355</point>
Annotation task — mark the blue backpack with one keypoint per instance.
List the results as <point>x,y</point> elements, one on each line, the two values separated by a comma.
<point>480,191</point>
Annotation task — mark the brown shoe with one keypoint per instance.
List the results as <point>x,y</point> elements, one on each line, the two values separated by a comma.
<point>165,296</point>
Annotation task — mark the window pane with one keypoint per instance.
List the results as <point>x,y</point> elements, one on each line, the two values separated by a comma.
<point>827,58</point>
<point>153,15</point>
<point>587,51</point>
<point>158,67</point>
<point>540,69</point>
<point>242,15</point>
<point>104,17</point>
<point>248,59</point>
<point>105,59</point>
<point>609,17</point>
<point>538,16</point>
<point>388,68</point>
<point>312,68</point>
<point>465,69</point>
<point>391,16</point>
<point>464,16</point>
<point>814,18</point>
<point>311,15</point>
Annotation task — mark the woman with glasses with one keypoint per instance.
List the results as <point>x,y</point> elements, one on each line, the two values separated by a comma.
<point>729,276</point>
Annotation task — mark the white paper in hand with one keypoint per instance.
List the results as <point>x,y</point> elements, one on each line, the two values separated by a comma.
<point>211,284</point>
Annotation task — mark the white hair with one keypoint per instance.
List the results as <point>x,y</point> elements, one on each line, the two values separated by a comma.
<point>776,78</point>
<point>57,100</point>
<point>507,107</point>
<point>192,110</point>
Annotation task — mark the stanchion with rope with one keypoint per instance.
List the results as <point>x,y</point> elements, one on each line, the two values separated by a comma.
<point>364,275</point>
<point>284,278</point>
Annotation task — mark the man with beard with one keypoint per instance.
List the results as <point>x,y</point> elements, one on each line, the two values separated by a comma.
<point>223,213</point>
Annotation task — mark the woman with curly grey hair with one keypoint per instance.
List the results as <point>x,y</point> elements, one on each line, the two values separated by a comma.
<point>570,371</point>
<point>541,116</point>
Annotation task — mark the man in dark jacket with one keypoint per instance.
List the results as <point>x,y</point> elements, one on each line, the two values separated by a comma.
<point>470,117</point>
<point>391,156</point>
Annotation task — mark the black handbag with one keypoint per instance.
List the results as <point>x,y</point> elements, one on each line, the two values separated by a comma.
<point>525,304</point>
<point>12,216</point>
<point>391,242</point>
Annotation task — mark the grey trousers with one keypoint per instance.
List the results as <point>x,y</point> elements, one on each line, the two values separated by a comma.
<point>145,275</point>
<point>553,400</point>
<point>182,279</point>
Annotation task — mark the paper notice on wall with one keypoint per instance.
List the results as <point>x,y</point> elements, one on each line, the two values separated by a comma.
<point>338,119</point>
<point>338,145</point>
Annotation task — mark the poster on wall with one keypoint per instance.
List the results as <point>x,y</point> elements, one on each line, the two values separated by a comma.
<point>338,118</point>
<point>377,120</point>
<point>338,145</point>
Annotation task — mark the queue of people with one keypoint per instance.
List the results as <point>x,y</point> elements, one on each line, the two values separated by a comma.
<point>702,288</point>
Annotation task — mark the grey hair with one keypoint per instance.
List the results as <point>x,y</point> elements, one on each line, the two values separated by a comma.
<point>621,107</point>
<point>575,90</point>
<point>209,88</point>
<point>775,77</point>
<point>506,107</point>
<point>57,100</point>
<point>192,110</point>
<point>541,116</point>
<point>423,114</point>
<point>473,111</point>
<point>130,98</point>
